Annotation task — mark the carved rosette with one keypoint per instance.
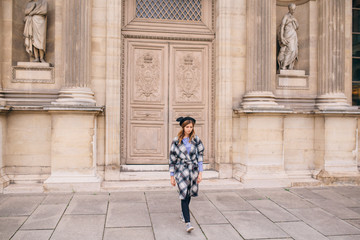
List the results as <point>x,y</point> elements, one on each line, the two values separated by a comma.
<point>147,78</point>
<point>188,78</point>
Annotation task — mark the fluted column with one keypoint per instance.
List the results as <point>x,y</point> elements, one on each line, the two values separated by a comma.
<point>331,55</point>
<point>260,54</point>
<point>76,49</point>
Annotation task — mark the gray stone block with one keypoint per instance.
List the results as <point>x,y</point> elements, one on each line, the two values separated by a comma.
<point>220,231</point>
<point>32,235</point>
<point>345,237</point>
<point>336,209</point>
<point>88,204</point>
<point>249,194</point>
<point>324,222</point>
<point>301,231</point>
<point>162,202</point>
<point>273,211</point>
<point>128,214</point>
<point>306,193</point>
<point>75,227</point>
<point>286,199</point>
<point>338,198</point>
<point>168,226</point>
<point>45,217</point>
<point>57,199</point>
<point>229,201</point>
<point>143,233</point>
<point>19,205</point>
<point>252,225</point>
<point>9,225</point>
<point>206,213</point>
<point>127,197</point>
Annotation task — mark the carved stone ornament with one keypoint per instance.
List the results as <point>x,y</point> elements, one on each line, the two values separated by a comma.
<point>147,78</point>
<point>188,77</point>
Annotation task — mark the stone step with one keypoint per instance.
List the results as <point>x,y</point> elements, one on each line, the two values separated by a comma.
<point>152,167</point>
<point>23,188</point>
<point>27,178</point>
<point>159,175</point>
<point>164,185</point>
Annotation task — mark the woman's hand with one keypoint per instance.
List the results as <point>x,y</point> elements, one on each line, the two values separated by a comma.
<point>199,179</point>
<point>172,180</point>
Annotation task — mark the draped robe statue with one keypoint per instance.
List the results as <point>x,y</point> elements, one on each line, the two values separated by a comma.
<point>288,40</point>
<point>35,29</point>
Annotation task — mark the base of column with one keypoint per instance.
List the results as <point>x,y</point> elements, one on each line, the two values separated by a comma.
<point>336,178</point>
<point>75,96</point>
<point>335,102</point>
<point>260,100</point>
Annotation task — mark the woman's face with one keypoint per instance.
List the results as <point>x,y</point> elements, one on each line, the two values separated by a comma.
<point>188,128</point>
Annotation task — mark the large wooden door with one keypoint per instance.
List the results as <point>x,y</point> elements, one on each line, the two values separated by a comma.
<point>165,80</point>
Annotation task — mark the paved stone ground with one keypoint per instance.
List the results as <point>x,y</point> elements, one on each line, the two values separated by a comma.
<point>296,213</point>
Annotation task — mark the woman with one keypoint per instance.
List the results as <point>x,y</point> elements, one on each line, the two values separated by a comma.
<point>186,165</point>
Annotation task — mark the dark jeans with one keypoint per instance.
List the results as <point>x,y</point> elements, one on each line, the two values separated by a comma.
<point>185,208</point>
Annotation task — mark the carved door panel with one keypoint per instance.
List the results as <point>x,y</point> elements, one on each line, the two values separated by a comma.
<point>189,88</point>
<point>147,108</point>
<point>164,81</point>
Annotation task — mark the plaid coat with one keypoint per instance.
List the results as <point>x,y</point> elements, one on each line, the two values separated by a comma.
<point>185,166</point>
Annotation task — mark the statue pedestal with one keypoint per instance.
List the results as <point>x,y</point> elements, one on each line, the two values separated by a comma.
<point>32,72</point>
<point>292,79</point>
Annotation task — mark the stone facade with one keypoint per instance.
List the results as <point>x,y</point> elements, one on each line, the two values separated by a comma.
<point>107,103</point>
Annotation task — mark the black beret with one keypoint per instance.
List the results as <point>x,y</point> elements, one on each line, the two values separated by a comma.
<point>181,120</point>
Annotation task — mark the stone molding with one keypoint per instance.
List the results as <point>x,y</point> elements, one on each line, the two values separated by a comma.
<point>28,72</point>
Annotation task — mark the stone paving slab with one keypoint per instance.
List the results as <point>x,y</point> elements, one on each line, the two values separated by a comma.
<point>162,202</point>
<point>229,201</point>
<point>273,211</point>
<point>256,214</point>
<point>128,214</point>
<point>338,198</point>
<point>253,225</point>
<point>57,199</point>
<point>45,217</point>
<point>250,194</point>
<point>88,204</point>
<point>75,227</point>
<point>19,205</point>
<point>349,237</point>
<point>336,209</point>
<point>306,193</point>
<point>206,213</point>
<point>143,233</point>
<point>301,231</point>
<point>9,226</point>
<point>324,222</point>
<point>127,197</point>
<point>285,198</point>
<point>220,231</point>
<point>168,226</point>
<point>348,191</point>
<point>32,235</point>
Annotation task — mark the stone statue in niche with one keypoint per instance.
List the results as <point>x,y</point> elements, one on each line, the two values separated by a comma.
<point>288,40</point>
<point>35,29</point>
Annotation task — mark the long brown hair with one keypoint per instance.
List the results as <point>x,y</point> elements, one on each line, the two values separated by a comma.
<point>181,134</point>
